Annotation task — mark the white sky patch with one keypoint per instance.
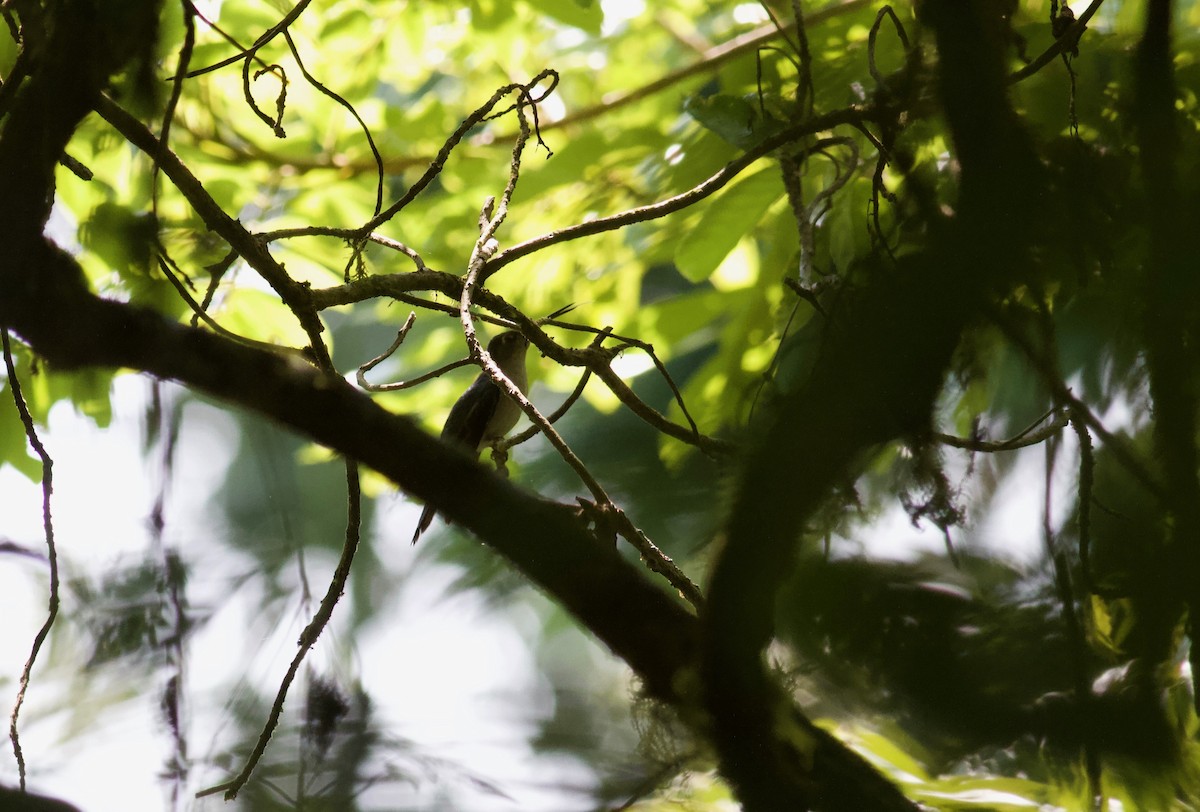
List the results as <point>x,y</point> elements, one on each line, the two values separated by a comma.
<point>442,672</point>
<point>632,363</point>
<point>750,14</point>
<point>619,12</point>
<point>103,493</point>
<point>210,9</point>
<point>892,536</point>
<point>552,107</point>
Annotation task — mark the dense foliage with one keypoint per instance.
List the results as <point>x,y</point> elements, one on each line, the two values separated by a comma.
<point>878,482</point>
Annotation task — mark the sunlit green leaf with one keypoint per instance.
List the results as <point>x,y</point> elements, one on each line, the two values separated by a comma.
<point>725,221</point>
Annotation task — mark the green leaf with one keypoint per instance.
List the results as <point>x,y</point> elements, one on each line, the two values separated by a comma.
<point>740,120</point>
<point>726,220</point>
<point>14,448</point>
<point>583,14</point>
<point>122,237</point>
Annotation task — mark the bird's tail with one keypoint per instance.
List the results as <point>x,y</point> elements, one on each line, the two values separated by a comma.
<point>423,524</point>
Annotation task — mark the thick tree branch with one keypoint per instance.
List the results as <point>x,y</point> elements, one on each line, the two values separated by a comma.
<point>646,626</point>
<point>876,379</point>
<point>303,300</point>
<point>1170,321</point>
<point>44,298</point>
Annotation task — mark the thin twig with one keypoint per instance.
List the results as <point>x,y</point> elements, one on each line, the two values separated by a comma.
<point>809,215</point>
<point>164,265</point>
<point>35,443</point>
<point>349,234</point>
<point>308,637</point>
<point>847,115</point>
<point>77,167</point>
<point>252,52</point>
<point>1070,36</point>
<point>225,35</point>
<point>1026,438</point>
<point>805,92</point>
<point>1087,479</point>
<point>560,411</point>
<point>885,11</point>
<point>465,126</point>
<point>781,28</point>
<point>276,123</point>
<point>182,61</point>
<point>485,246</point>
<point>367,386</point>
<point>287,35</point>
<point>1066,399</point>
<point>676,393</point>
<point>552,418</point>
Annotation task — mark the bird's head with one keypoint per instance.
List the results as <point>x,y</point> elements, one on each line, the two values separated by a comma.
<point>507,348</point>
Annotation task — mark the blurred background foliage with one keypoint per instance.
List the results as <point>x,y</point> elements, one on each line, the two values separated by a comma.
<point>925,624</point>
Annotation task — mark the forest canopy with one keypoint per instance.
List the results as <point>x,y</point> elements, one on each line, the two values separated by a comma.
<point>857,466</point>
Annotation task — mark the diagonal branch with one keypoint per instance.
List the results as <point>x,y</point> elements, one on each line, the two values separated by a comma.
<point>848,115</point>
<point>712,59</point>
<point>1068,39</point>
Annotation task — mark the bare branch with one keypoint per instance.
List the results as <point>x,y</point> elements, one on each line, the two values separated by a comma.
<point>200,313</point>
<point>848,115</point>
<point>361,375</point>
<point>1026,438</point>
<point>14,384</point>
<point>439,161</point>
<point>715,57</point>
<point>1068,39</point>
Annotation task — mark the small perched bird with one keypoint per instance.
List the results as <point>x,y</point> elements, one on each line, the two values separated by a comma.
<point>483,414</point>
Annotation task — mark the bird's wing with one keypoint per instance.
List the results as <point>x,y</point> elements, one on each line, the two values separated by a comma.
<point>465,425</point>
<point>469,417</point>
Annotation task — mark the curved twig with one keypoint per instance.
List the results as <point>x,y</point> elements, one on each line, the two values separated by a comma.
<point>885,11</point>
<point>203,315</point>
<point>809,214</point>
<point>287,35</point>
<point>1071,35</point>
<point>439,161</point>
<point>252,52</point>
<point>532,430</point>
<point>361,375</point>
<point>1024,439</point>
<point>14,384</point>
<point>847,115</point>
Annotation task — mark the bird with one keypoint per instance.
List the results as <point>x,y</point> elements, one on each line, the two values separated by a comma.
<point>483,414</point>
